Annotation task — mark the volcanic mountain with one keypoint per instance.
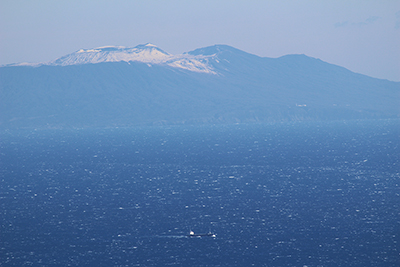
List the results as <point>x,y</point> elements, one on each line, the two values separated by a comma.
<point>115,86</point>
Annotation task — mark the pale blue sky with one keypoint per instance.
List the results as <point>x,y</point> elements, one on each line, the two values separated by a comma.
<point>361,35</point>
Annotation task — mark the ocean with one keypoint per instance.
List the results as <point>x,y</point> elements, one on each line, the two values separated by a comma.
<point>283,194</point>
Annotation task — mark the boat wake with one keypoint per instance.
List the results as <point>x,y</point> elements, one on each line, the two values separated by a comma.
<point>190,235</point>
<point>172,236</point>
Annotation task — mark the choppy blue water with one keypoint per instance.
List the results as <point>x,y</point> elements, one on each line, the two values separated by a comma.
<point>301,194</point>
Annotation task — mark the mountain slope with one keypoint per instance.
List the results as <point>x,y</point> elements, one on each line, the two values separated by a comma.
<point>75,91</point>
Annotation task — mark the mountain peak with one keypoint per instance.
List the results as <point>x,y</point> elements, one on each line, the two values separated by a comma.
<point>212,50</point>
<point>150,45</point>
<point>217,50</point>
<point>101,49</point>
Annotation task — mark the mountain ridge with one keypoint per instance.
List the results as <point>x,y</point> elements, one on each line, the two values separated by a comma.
<point>146,53</point>
<point>233,87</point>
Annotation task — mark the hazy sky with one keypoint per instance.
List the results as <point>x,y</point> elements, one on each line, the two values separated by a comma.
<point>361,35</point>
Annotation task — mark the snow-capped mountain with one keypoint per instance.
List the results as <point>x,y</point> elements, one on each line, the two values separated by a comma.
<point>144,53</point>
<point>147,53</point>
<point>144,85</point>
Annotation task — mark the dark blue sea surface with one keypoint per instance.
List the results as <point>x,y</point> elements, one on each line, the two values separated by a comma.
<point>293,194</point>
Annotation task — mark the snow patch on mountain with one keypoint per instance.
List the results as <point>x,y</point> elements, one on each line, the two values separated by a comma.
<point>23,64</point>
<point>197,64</point>
<point>143,53</point>
<point>146,53</point>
